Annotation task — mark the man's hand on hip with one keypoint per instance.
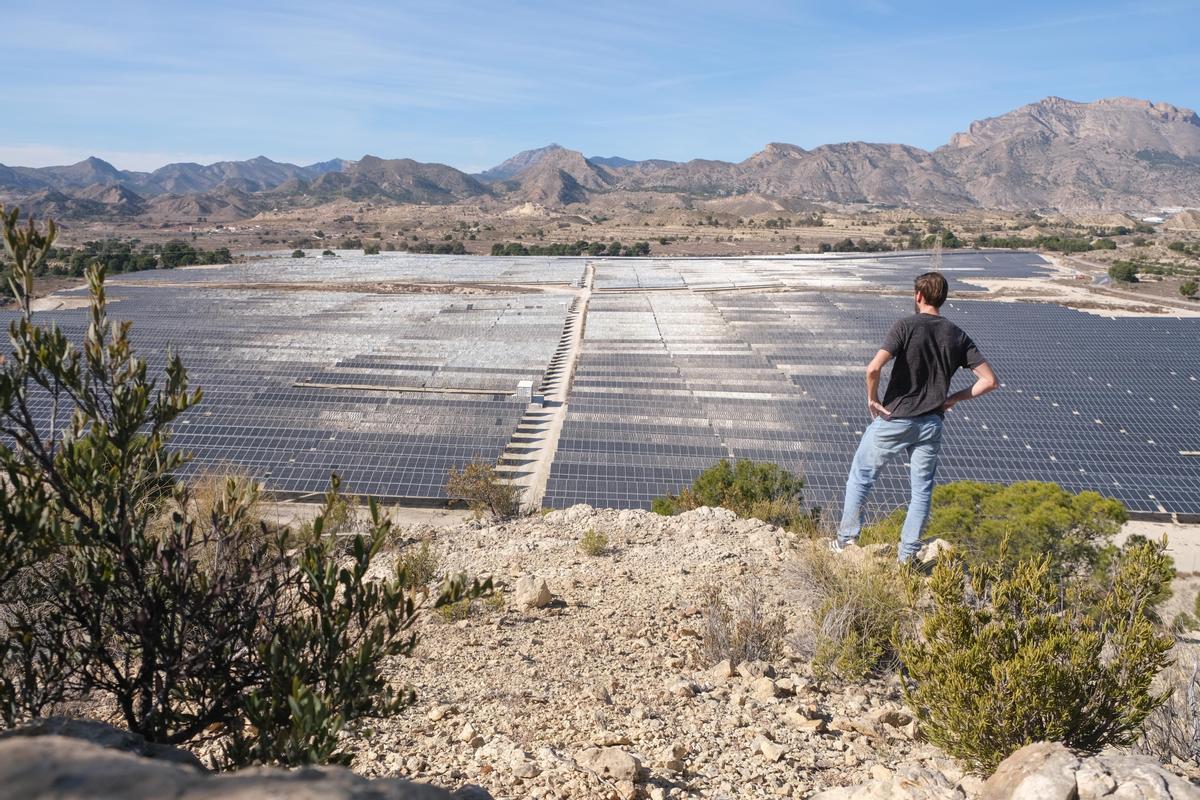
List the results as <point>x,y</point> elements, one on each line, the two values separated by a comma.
<point>877,409</point>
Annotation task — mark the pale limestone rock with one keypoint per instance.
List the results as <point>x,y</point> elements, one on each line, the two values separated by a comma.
<point>768,749</point>
<point>51,767</point>
<point>610,762</point>
<point>722,671</point>
<point>441,711</point>
<point>755,669</point>
<point>906,783</point>
<point>1049,771</point>
<point>764,689</point>
<point>532,592</point>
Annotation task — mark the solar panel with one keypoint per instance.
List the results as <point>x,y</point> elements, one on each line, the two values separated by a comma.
<point>389,391</point>
<point>684,362</point>
<point>1089,402</point>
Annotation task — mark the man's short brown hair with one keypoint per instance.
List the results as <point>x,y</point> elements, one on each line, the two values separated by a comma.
<point>933,288</point>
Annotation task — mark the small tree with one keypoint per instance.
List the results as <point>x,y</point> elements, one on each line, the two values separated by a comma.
<point>321,669</point>
<point>1123,272</point>
<point>1189,289</point>
<point>484,491</point>
<point>112,586</point>
<point>1011,656</point>
<point>991,521</point>
<point>749,489</point>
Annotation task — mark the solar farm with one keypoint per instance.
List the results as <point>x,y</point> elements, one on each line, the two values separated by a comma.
<point>391,369</point>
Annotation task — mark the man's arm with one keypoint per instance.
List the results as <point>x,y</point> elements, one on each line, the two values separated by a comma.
<point>874,372</point>
<point>985,381</point>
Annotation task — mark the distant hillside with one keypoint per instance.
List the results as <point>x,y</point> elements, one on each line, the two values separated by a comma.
<point>561,177</point>
<point>856,172</point>
<point>399,180</point>
<point>256,175</point>
<point>518,163</point>
<point>1113,155</point>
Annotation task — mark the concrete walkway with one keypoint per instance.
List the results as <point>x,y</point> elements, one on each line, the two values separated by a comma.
<point>527,459</point>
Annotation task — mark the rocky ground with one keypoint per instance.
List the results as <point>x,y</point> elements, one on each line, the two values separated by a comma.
<point>586,676</point>
<point>605,691</point>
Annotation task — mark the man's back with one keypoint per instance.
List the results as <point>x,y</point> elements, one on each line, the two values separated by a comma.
<point>928,349</point>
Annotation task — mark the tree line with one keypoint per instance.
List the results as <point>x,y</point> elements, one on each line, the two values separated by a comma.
<point>117,256</point>
<point>579,248</point>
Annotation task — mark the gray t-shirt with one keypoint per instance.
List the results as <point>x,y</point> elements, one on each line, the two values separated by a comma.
<point>928,349</point>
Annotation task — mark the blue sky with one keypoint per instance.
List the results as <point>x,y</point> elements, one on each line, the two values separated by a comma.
<point>470,83</point>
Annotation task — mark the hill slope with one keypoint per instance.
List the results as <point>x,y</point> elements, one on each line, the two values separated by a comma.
<point>1118,154</point>
<point>1111,154</point>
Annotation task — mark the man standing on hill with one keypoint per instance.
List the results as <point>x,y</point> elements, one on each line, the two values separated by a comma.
<point>928,349</point>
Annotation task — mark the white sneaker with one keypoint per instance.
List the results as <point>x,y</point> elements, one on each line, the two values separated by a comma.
<point>836,546</point>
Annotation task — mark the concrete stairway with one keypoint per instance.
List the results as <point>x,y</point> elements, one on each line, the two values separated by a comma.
<point>526,459</point>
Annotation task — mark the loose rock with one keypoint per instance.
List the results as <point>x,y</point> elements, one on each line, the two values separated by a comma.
<point>532,592</point>
<point>610,762</point>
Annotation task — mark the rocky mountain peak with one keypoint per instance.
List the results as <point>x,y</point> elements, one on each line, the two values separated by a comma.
<point>520,162</point>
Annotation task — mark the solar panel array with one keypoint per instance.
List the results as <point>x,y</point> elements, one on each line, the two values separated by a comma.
<point>301,384</point>
<point>828,271</point>
<point>669,383</point>
<point>351,266</point>
<point>677,370</point>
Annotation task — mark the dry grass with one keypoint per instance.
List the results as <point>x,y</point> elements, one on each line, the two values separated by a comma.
<point>1171,733</point>
<point>594,543</point>
<point>739,626</point>
<point>853,603</point>
<point>420,565</point>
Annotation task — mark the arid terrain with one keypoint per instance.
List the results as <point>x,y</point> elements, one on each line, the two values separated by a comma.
<point>516,696</point>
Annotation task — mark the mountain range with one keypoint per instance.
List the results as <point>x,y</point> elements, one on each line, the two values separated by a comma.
<point>1117,154</point>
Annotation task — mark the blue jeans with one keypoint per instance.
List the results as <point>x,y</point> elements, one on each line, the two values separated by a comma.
<point>885,440</point>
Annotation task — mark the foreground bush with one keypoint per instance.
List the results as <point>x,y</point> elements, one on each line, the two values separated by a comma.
<point>1011,656</point>
<point>115,586</point>
<point>749,489</point>
<point>484,492</point>
<point>594,543</point>
<point>739,625</point>
<point>988,521</point>
<point>1172,731</point>
<point>852,605</point>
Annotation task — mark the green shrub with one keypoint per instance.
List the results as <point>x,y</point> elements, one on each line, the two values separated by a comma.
<point>321,668</point>
<point>371,249</point>
<point>1123,272</point>
<point>297,253</point>
<point>1189,289</point>
<point>852,604</point>
<point>749,489</point>
<point>456,611</point>
<point>418,565</point>
<point>115,586</point>
<point>739,627</point>
<point>484,491</point>
<point>1010,656</point>
<point>1033,517</point>
<point>594,543</point>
